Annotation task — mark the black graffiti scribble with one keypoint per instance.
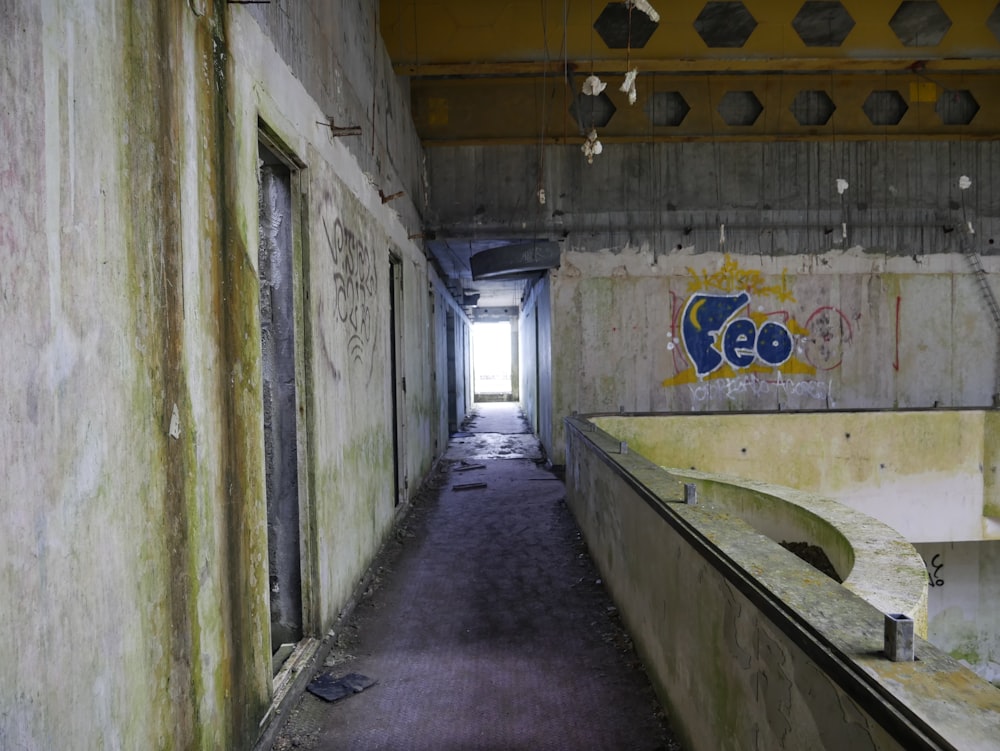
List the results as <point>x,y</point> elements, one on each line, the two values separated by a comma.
<point>355,285</point>
<point>933,578</point>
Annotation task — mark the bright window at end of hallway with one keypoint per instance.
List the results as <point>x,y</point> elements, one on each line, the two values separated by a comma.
<point>491,350</point>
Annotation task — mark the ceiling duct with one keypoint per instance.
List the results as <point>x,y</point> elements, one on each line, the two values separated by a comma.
<point>511,261</point>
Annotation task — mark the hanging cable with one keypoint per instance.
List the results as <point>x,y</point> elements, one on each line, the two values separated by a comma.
<point>540,187</point>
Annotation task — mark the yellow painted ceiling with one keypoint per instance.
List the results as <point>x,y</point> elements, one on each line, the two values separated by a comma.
<point>487,71</point>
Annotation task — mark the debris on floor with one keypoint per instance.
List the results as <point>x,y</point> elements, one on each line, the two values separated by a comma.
<point>478,628</point>
<point>469,486</point>
<point>325,686</point>
<point>280,655</point>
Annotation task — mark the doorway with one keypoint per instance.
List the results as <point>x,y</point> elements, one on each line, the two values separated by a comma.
<point>278,377</point>
<point>397,379</point>
<point>492,361</point>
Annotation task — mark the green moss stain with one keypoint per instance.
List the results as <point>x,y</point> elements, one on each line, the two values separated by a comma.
<point>824,452</point>
<point>149,180</point>
<point>991,464</point>
<point>207,674</point>
<point>348,532</point>
<point>244,686</point>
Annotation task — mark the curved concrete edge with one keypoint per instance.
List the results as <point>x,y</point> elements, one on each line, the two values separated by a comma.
<point>873,560</point>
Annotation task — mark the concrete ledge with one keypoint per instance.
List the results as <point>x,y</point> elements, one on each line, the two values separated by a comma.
<point>749,646</point>
<point>871,558</point>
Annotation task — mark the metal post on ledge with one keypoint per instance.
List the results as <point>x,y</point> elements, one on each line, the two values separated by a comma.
<point>690,493</point>
<point>898,637</point>
<point>623,447</point>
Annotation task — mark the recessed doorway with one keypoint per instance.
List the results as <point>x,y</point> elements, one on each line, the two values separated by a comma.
<point>278,393</point>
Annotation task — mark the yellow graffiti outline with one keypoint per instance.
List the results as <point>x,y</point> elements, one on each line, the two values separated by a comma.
<point>732,278</point>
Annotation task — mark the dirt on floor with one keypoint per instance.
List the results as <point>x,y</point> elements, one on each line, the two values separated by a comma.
<point>815,556</point>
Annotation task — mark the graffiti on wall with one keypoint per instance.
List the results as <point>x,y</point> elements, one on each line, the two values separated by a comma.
<point>354,289</point>
<point>934,567</point>
<point>727,343</point>
<point>714,333</point>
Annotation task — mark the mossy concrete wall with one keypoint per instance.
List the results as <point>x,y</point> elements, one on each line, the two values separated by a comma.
<point>924,473</point>
<point>748,646</point>
<point>133,555</point>
<point>964,602</point>
<point>350,238</point>
<point>708,328</point>
<point>133,551</point>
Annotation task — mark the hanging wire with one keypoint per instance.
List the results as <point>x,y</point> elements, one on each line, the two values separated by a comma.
<point>565,58</point>
<point>715,154</point>
<point>591,38</point>
<point>628,41</point>
<point>831,161</point>
<point>544,104</point>
<point>657,182</point>
<point>416,37</point>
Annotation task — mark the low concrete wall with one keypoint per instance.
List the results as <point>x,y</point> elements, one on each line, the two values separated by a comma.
<point>748,646</point>
<point>928,474</point>
<point>871,559</point>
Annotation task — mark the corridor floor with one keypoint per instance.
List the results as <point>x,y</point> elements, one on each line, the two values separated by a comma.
<point>486,627</point>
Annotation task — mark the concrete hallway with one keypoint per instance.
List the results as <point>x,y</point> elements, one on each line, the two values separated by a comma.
<point>486,626</point>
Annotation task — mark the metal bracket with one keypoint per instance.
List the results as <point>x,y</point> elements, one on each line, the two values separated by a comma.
<point>340,130</point>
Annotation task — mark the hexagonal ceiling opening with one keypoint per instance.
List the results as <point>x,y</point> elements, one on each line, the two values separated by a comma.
<point>812,107</point>
<point>592,111</point>
<point>740,108</point>
<point>920,23</point>
<point>823,23</point>
<point>956,107</point>
<point>667,108</point>
<point>885,107</point>
<point>993,22</point>
<point>725,23</point>
<point>621,26</point>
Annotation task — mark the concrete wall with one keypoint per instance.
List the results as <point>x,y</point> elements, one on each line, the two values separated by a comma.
<point>775,655</point>
<point>333,50</point>
<point>133,551</point>
<point>964,602</point>
<point>843,330</point>
<point>349,238</point>
<point>535,334</point>
<point>866,276</point>
<point>527,325</point>
<point>453,374</point>
<point>775,198</point>
<point>923,473</point>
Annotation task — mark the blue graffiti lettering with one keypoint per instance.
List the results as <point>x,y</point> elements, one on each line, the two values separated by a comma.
<point>704,317</point>
<point>713,336</point>
<point>738,343</point>
<point>774,343</point>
